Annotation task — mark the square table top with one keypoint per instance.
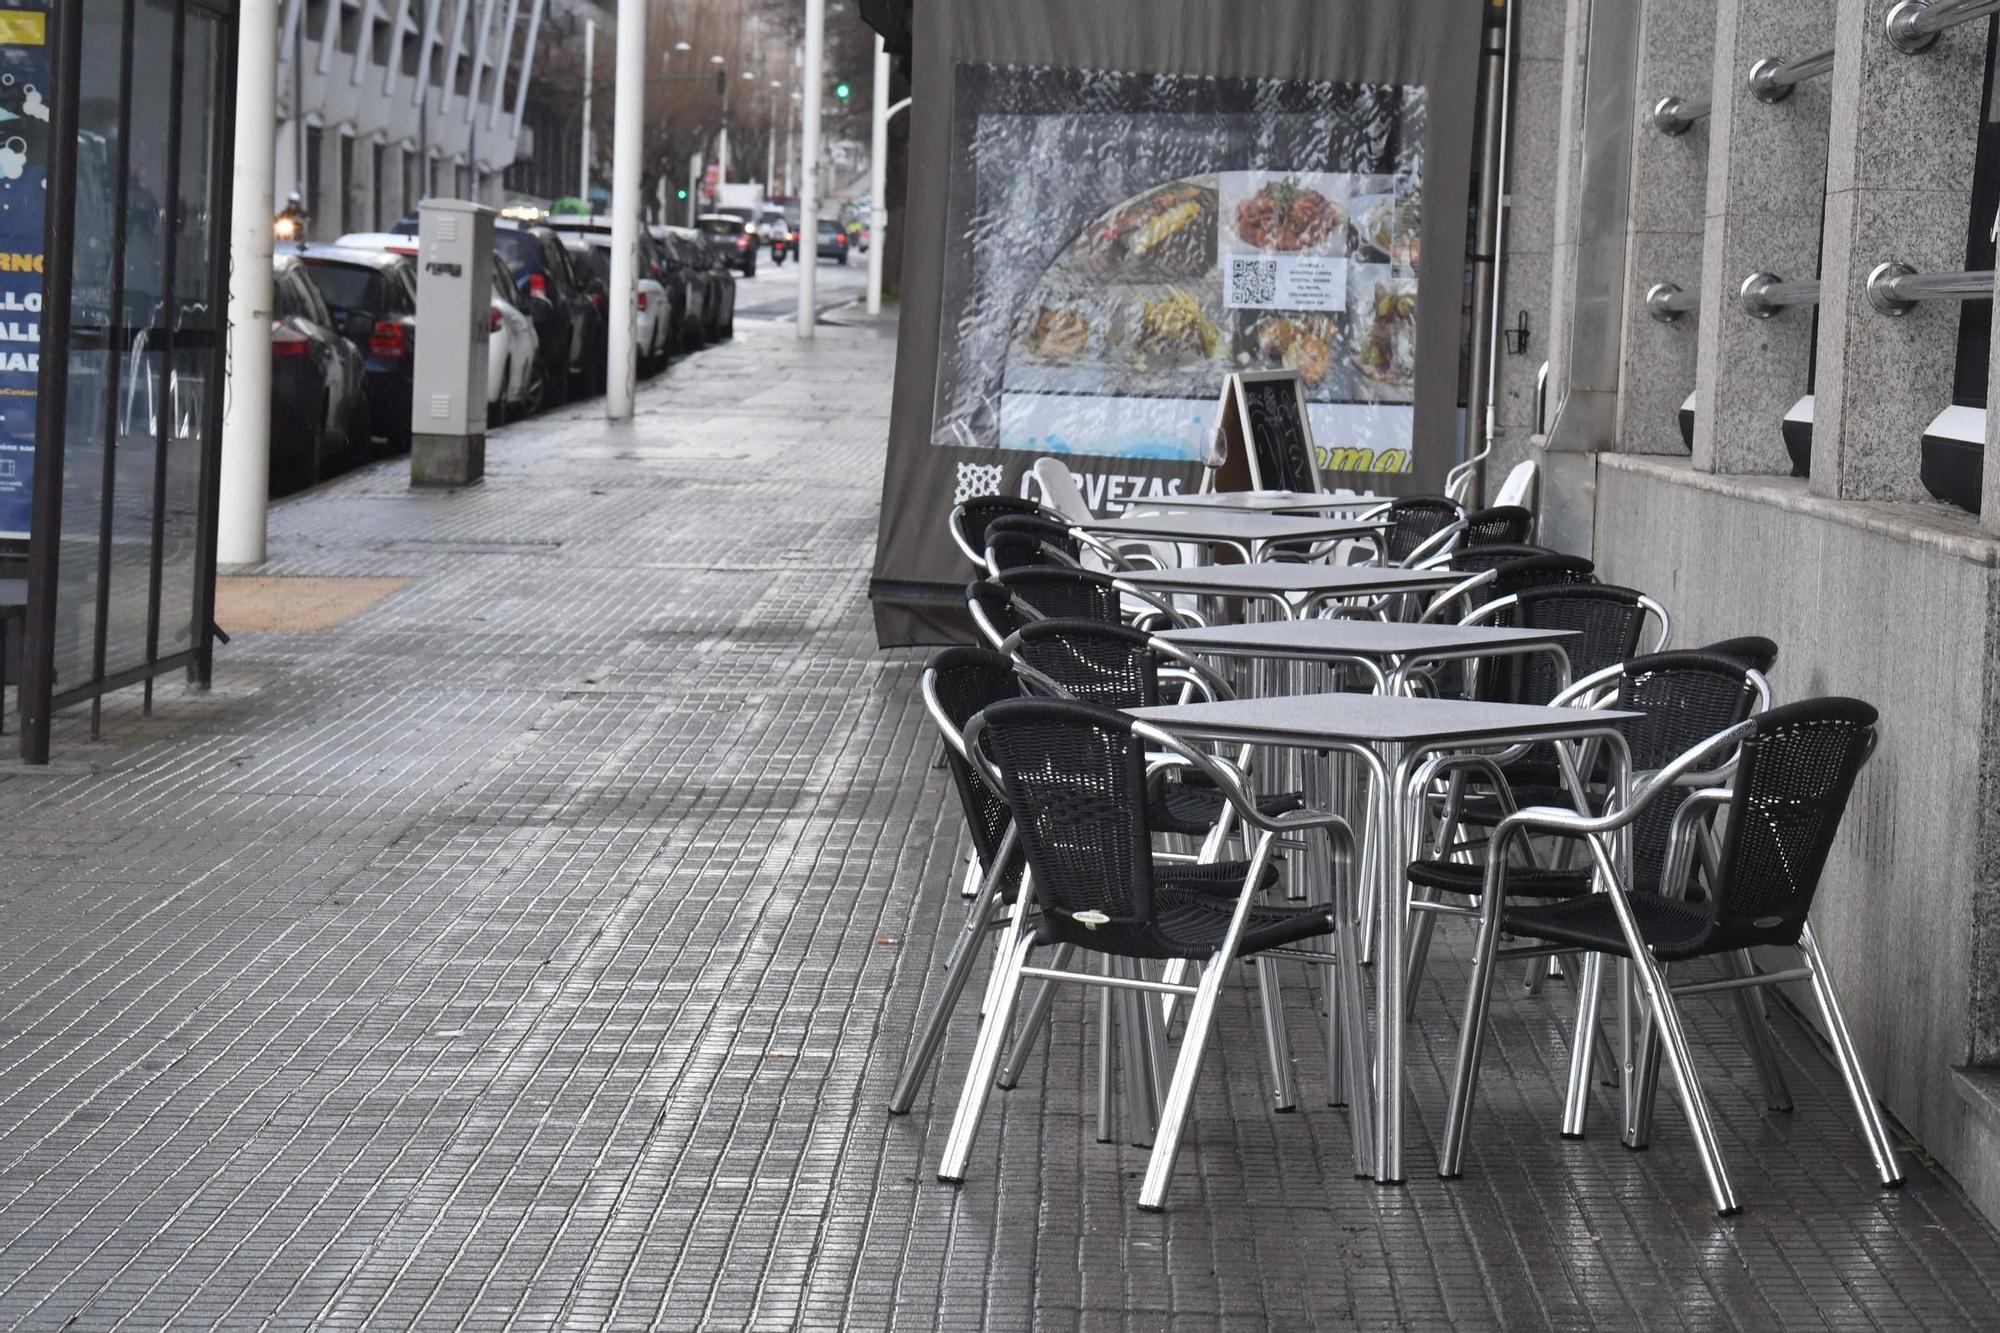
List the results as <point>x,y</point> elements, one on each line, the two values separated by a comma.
<point>1265,502</point>
<point>1229,525</point>
<point>1357,638</point>
<point>1277,578</point>
<point>1309,719</point>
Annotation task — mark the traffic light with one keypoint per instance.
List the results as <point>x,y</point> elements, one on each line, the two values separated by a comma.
<point>680,194</point>
<point>841,90</point>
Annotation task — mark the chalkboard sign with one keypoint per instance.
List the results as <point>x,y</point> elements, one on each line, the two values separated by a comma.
<point>1262,438</point>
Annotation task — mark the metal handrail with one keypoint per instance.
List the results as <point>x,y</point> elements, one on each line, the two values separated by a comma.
<point>1765,294</point>
<point>1772,80</point>
<point>1667,302</point>
<point>1912,25</point>
<point>1895,289</point>
<point>1673,115</point>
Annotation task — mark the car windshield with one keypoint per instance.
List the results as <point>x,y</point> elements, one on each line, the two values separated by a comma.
<point>519,247</point>
<point>721,226</point>
<point>829,228</point>
<point>347,286</point>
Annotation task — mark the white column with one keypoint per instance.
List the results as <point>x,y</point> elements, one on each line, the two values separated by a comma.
<point>589,77</point>
<point>722,156</point>
<point>246,413</point>
<point>878,177</point>
<point>629,113</point>
<point>815,79</point>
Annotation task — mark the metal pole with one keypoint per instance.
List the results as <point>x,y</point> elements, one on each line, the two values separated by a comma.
<point>878,177</point>
<point>589,77</point>
<point>246,422</point>
<point>627,146</point>
<point>1895,289</point>
<point>1492,43</point>
<point>1505,201</point>
<point>298,110</point>
<point>1914,24</point>
<point>815,78</point>
<point>694,185</point>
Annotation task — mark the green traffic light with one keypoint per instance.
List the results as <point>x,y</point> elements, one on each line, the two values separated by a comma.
<point>841,91</point>
<point>680,194</point>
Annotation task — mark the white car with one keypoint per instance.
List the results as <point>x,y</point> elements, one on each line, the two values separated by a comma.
<point>514,378</point>
<point>654,335</point>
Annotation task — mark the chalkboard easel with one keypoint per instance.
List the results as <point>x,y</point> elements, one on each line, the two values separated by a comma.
<point>1262,438</point>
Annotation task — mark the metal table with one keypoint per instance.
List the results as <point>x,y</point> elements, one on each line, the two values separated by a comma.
<point>1392,735</point>
<point>1279,582</point>
<point>1262,502</point>
<point>1248,534</point>
<point>1366,643</point>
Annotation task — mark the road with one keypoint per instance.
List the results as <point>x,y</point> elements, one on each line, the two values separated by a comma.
<point>774,292</point>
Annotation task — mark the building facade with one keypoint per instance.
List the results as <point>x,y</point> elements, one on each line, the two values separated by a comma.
<point>382,102</point>
<point>1779,443</point>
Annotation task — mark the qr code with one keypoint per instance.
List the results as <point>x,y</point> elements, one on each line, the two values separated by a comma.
<point>1253,282</point>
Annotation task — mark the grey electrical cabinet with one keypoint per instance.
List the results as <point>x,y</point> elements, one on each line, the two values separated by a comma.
<point>454,314</point>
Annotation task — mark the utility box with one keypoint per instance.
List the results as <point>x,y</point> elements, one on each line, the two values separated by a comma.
<point>454,315</point>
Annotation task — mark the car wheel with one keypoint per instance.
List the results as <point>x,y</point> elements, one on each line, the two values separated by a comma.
<point>532,392</point>
<point>555,386</point>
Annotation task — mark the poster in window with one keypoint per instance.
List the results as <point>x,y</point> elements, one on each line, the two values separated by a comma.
<point>1120,243</point>
<point>24,123</point>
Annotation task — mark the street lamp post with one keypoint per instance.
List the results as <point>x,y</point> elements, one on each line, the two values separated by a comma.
<point>815,75</point>
<point>878,176</point>
<point>589,82</point>
<point>627,146</point>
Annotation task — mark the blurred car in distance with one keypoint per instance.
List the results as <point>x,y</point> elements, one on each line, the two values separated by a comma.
<point>730,237</point>
<point>372,296</point>
<point>319,414</point>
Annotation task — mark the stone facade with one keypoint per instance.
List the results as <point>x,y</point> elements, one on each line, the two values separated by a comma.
<point>1870,587</point>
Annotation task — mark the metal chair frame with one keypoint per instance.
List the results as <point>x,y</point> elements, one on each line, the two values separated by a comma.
<point>955,522</point>
<point>1204,996</point>
<point>1664,1034</point>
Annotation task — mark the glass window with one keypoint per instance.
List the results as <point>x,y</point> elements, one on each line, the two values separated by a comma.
<point>347,286</point>
<point>1975,319</point>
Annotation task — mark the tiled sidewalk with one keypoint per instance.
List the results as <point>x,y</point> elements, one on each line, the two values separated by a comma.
<point>537,948</point>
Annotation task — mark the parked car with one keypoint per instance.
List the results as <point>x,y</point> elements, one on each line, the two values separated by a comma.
<point>319,412</point>
<point>515,378</point>
<point>686,292</point>
<point>721,322</point>
<point>372,295</point>
<point>567,323</point>
<point>781,236</point>
<point>832,240</point>
<point>730,237</point>
<point>589,242</point>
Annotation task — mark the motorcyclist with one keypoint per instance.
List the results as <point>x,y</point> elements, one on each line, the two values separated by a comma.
<point>293,223</point>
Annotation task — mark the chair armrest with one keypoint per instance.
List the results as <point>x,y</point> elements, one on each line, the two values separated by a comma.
<point>1228,780</point>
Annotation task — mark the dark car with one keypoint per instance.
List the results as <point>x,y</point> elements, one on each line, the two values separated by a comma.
<point>832,240</point>
<point>567,324</point>
<point>684,296</point>
<point>688,263</point>
<point>319,416</point>
<point>721,282</point>
<point>372,295</point>
<point>731,238</point>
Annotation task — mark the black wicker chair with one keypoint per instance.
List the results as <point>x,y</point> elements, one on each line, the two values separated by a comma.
<point>1021,541</point>
<point>1420,527</point>
<point>957,684</point>
<point>1502,570</point>
<point>970,519</point>
<point>1753,650</point>
<point>1056,593</point>
<point>1498,525</point>
<point>1794,771</point>
<point>1682,699</point>
<point>1115,666</point>
<point>996,612</point>
<point>1074,776</point>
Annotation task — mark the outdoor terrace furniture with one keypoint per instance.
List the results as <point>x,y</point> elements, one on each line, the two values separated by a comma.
<point>1420,526</point>
<point>1391,737</point>
<point>996,612</point>
<point>956,684</point>
<point>1500,524</point>
<point>1753,650</point>
<point>1075,776</point>
<point>1017,541</point>
<point>1781,807</point>
<point>969,520</point>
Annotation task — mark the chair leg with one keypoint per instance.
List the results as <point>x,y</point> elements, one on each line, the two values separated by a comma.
<point>985,1055</point>
<point>1583,1046</point>
<point>1107,1113</point>
<point>1866,1109</point>
<point>1645,1075</point>
<point>923,1052</point>
<point>1180,1094</point>
<point>1757,1036</point>
<point>1034,1021</point>
<point>1666,1020</point>
<point>1277,1043</point>
<point>1471,1035</point>
<point>1142,1111</point>
<point>1421,926</point>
